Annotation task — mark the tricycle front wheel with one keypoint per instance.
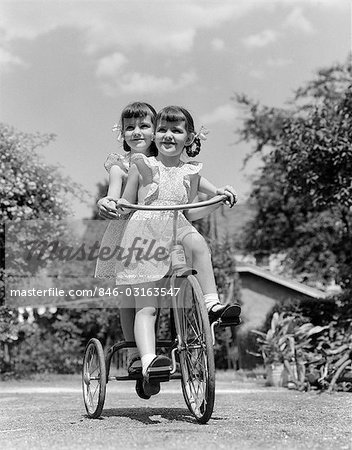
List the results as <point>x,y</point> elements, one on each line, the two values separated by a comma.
<point>196,350</point>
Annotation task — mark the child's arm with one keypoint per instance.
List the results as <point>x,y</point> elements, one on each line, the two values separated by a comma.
<point>115,182</point>
<point>130,193</point>
<point>209,189</point>
<point>206,187</point>
<point>199,213</point>
<point>106,205</point>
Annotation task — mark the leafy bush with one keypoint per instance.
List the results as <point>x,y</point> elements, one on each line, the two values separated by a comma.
<point>53,342</point>
<point>313,355</point>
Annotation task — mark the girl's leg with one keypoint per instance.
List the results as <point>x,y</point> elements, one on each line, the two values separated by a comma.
<point>197,252</point>
<point>127,317</point>
<point>144,325</point>
<point>144,331</point>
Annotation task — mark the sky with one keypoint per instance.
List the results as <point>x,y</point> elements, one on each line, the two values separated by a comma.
<point>69,67</point>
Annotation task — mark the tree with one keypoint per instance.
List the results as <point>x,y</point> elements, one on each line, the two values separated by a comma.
<point>29,189</point>
<point>39,194</point>
<point>35,197</point>
<point>303,194</point>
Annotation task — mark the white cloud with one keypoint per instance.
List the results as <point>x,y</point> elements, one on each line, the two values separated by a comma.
<point>8,61</point>
<point>279,62</point>
<point>217,44</point>
<point>334,4</point>
<point>298,21</point>
<point>257,74</point>
<point>154,24</point>
<point>261,39</point>
<point>140,83</point>
<point>111,65</point>
<point>157,25</point>
<point>222,113</point>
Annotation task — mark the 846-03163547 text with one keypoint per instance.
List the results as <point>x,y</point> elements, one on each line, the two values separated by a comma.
<point>95,292</point>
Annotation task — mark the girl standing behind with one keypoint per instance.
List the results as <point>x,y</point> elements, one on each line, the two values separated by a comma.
<point>137,131</point>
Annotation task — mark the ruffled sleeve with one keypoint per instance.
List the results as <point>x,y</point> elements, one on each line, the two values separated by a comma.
<point>115,159</point>
<point>190,169</point>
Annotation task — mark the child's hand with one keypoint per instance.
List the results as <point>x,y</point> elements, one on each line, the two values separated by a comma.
<point>230,192</point>
<point>119,205</point>
<point>107,208</point>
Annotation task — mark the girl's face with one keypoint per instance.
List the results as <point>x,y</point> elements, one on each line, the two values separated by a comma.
<point>138,133</point>
<point>172,137</point>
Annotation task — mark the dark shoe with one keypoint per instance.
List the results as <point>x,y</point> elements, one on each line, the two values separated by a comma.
<point>135,366</point>
<point>140,391</point>
<point>227,313</point>
<point>150,388</point>
<point>158,370</point>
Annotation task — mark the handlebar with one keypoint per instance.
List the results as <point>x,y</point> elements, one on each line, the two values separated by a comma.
<point>212,201</point>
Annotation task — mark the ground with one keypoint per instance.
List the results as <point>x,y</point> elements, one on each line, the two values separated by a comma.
<point>49,414</point>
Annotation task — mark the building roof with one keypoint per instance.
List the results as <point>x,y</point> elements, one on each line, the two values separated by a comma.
<point>279,280</point>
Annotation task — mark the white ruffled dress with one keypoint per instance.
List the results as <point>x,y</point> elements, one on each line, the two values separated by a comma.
<point>106,268</point>
<point>150,230</point>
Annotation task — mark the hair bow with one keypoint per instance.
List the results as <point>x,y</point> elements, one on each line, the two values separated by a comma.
<point>117,127</point>
<point>202,133</point>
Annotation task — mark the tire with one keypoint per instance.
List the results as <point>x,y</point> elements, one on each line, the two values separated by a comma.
<point>94,378</point>
<point>196,350</point>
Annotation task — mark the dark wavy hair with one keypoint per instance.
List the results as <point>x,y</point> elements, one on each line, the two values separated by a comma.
<point>176,113</point>
<point>136,110</point>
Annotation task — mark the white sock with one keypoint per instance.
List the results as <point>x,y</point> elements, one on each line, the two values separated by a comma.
<point>146,360</point>
<point>210,300</point>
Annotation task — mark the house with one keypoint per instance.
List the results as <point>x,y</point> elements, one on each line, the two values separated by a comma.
<point>261,290</point>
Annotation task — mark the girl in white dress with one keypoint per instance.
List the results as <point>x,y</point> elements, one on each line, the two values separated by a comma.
<point>136,129</point>
<point>165,180</point>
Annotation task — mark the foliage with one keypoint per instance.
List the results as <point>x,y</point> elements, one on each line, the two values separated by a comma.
<point>54,341</point>
<point>313,356</point>
<point>285,335</point>
<point>336,308</point>
<point>303,194</point>
<point>329,363</point>
<point>9,330</point>
<point>53,346</point>
<point>31,189</point>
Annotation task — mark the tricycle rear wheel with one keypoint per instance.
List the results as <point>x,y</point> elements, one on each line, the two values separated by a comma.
<point>94,378</point>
